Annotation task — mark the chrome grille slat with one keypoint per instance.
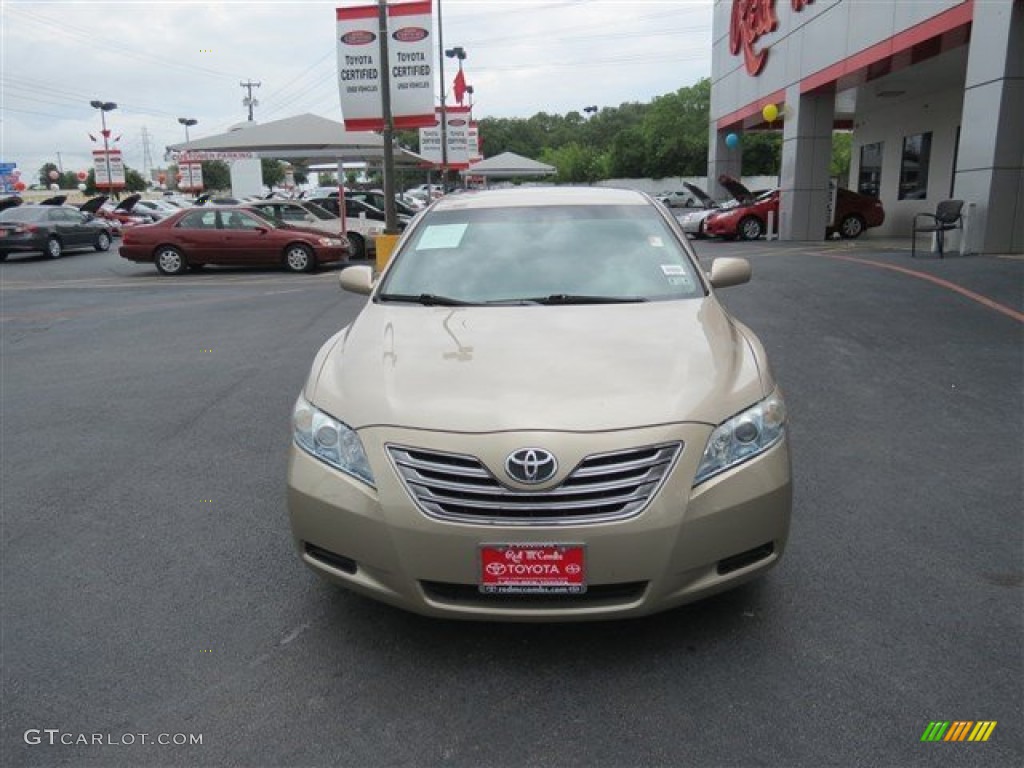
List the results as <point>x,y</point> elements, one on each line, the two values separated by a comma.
<point>602,487</point>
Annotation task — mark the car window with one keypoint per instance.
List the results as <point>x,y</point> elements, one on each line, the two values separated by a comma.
<point>23,213</point>
<point>319,212</point>
<point>240,220</point>
<point>483,255</point>
<point>198,220</point>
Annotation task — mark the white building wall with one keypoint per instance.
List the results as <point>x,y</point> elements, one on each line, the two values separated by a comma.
<point>889,123</point>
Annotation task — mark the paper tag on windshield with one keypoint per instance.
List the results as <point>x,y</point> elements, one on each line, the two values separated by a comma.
<point>673,269</point>
<point>441,236</point>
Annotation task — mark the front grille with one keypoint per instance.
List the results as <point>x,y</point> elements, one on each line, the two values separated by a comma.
<point>597,594</point>
<point>607,486</point>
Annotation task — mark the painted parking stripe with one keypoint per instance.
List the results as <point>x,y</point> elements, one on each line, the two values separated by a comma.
<point>984,300</point>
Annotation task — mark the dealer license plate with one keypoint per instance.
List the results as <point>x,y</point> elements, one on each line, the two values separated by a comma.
<point>533,569</point>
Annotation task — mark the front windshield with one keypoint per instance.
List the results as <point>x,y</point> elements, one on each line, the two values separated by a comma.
<point>496,255</point>
<point>319,212</point>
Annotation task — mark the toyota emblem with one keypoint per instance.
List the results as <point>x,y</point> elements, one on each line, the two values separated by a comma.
<point>531,465</point>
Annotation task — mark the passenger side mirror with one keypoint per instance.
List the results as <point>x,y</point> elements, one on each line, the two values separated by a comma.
<point>357,279</point>
<point>727,271</point>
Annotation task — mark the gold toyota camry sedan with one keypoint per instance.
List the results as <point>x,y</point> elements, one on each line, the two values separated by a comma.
<point>543,413</point>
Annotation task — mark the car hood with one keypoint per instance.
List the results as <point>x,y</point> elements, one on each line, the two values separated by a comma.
<point>128,203</point>
<point>582,368</point>
<point>735,188</point>
<point>700,194</point>
<point>93,205</point>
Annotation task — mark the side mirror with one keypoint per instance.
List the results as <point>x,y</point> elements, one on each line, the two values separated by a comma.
<point>357,279</point>
<point>726,271</point>
<point>262,230</point>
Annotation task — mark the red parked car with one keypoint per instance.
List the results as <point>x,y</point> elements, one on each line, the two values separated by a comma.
<point>195,237</point>
<point>749,220</point>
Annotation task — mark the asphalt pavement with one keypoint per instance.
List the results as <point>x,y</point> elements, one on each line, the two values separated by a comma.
<point>149,583</point>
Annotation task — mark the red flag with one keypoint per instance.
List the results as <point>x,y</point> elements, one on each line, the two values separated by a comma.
<point>106,133</point>
<point>459,87</point>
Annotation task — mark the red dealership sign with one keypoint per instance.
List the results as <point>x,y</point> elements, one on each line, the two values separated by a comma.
<point>752,19</point>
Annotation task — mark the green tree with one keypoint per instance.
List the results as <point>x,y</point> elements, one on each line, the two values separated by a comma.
<point>273,172</point>
<point>576,163</point>
<point>216,174</point>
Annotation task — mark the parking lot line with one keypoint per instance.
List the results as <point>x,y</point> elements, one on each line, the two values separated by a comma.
<point>983,300</point>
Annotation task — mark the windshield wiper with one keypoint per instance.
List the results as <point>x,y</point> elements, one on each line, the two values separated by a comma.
<point>574,298</point>
<point>426,299</point>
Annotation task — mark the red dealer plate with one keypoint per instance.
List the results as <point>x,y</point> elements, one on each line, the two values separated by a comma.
<point>532,569</point>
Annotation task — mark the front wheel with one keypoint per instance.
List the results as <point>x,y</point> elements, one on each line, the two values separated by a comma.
<point>358,250</point>
<point>102,242</point>
<point>53,248</point>
<point>750,228</point>
<point>299,258</point>
<point>170,261</point>
<point>851,226</point>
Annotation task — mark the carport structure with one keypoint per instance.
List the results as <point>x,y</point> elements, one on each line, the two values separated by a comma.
<point>509,165</point>
<point>301,138</point>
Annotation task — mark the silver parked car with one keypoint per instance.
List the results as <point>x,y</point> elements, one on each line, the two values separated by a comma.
<point>542,413</point>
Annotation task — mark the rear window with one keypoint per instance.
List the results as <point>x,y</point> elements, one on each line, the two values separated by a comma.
<point>22,214</point>
<point>505,254</point>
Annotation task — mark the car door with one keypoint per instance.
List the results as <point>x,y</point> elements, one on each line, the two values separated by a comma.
<point>249,240</point>
<point>72,232</point>
<point>198,236</point>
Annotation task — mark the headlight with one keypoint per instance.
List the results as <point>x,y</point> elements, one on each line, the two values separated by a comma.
<point>329,440</point>
<point>329,241</point>
<point>743,436</point>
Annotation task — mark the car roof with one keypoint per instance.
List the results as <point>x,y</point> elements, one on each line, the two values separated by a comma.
<point>540,196</point>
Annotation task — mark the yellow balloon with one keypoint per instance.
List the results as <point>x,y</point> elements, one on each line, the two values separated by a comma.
<point>770,112</point>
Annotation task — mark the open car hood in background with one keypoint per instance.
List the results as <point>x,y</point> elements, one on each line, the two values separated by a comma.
<point>56,200</point>
<point>93,205</point>
<point>128,203</point>
<point>735,188</point>
<point>700,194</point>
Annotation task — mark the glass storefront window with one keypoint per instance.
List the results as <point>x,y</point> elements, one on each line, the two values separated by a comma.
<point>917,150</point>
<point>869,180</point>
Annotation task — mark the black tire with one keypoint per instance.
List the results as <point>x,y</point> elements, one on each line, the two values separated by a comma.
<point>54,249</point>
<point>102,242</point>
<point>3,257</point>
<point>169,260</point>
<point>750,228</point>
<point>851,227</point>
<point>358,246</point>
<point>299,258</point>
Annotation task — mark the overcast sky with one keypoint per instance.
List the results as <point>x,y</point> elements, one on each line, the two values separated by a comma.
<point>163,60</point>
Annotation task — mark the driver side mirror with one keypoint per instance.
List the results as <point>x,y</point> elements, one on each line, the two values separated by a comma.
<point>727,271</point>
<point>357,279</point>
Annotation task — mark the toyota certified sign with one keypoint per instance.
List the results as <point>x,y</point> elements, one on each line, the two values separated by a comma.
<point>410,67</point>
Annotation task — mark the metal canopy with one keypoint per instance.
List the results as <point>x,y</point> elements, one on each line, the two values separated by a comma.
<point>509,165</point>
<point>303,137</point>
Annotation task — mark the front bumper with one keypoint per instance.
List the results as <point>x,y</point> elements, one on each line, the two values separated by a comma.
<point>685,544</point>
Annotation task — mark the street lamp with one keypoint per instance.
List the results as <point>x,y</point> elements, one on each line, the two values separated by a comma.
<point>104,107</point>
<point>187,122</point>
<point>590,110</point>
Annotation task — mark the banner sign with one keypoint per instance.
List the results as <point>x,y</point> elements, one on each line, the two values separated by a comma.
<point>410,66</point>
<point>101,160</point>
<point>202,154</point>
<point>191,177</point>
<point>475,155</point>
<point>7,177</point>
<point>457,134</point>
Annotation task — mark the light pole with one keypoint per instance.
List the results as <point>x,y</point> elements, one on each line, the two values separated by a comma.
<point>104,107</point>
<point>590,110</point>
<point>188,122</point>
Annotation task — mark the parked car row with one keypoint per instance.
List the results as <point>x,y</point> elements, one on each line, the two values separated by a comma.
<point>746,216</point>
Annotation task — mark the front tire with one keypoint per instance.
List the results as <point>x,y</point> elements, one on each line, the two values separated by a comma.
<point>750,228</point>
<point>54,249</point>
<point>299,258</point>
<point>102,242</point>
<point>851,227</point>
<point>170,261</point>
<point>358,246</point>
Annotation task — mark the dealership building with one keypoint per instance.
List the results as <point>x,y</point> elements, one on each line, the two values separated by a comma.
<point>932,90</point>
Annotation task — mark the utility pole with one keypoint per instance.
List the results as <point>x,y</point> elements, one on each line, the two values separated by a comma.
<point>147,156</point>
<point>249,101</point>
<point>390,213</point>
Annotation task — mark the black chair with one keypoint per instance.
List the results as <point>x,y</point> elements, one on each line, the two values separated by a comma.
<point>947,216</point>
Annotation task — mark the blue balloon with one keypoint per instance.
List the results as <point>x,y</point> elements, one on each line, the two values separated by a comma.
<point>732,141</point>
